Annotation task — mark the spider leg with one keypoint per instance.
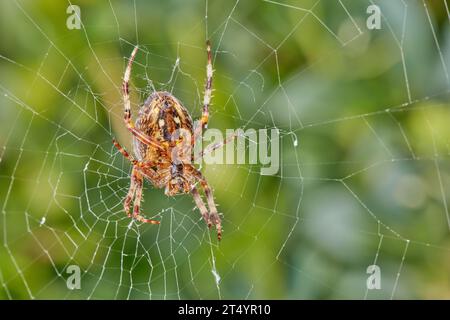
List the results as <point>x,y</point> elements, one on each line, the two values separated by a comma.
<point>214,217</point>
<point>125,87</point>
<point>127,105</point>
<point>132,189</point>
<point>201,205</point>
<point>124,152</point>
<point>141,165</point>
<point>208,86</point>
<point>213,214</point>
<point>135,186</point>
<point>208,92</point>
<point>138,198</point>
<point>130,194</point>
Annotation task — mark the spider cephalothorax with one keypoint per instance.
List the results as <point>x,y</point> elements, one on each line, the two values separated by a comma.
<point>158,156</point>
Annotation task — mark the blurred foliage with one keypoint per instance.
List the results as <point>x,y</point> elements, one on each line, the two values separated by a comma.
<point>369,179</point>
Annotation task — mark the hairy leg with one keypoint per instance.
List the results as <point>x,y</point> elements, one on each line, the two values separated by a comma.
<point>207,95</point>
<point>125,87</point>
<point>138,198</point>
<point>124,152</point>
<point>127,106</point>
<point>201,205</point>
<point>137,183</point>
<point>130,194</point>
<point>213,214</point>
<point>214,217</point>
<point>132,189</point>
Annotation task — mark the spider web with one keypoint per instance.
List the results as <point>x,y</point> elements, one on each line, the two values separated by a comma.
<point>364,174</point>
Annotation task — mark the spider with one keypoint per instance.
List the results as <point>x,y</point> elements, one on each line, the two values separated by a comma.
<point>154,140</point>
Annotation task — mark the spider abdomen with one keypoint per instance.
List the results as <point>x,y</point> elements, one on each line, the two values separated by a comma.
<point>165,119</point>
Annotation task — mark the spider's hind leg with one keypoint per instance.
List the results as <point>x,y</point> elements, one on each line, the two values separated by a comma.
<point>213,214</point>
<point>201,206</point>
<point>214,217</point>
<point>132,189</point>
<point>139,181</point>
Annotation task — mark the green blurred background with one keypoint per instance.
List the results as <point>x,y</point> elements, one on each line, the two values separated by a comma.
<point>368,180</point>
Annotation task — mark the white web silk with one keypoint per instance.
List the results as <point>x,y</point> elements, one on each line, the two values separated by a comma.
<point>180,258</point>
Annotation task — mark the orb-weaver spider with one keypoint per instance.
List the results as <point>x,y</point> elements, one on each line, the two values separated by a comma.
<point>159,118</point>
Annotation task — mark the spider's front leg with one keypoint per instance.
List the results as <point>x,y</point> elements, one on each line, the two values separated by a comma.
<point>142,137</point>
<point>131,191</point>
<point>208,92</point>
<point>214,217</point>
